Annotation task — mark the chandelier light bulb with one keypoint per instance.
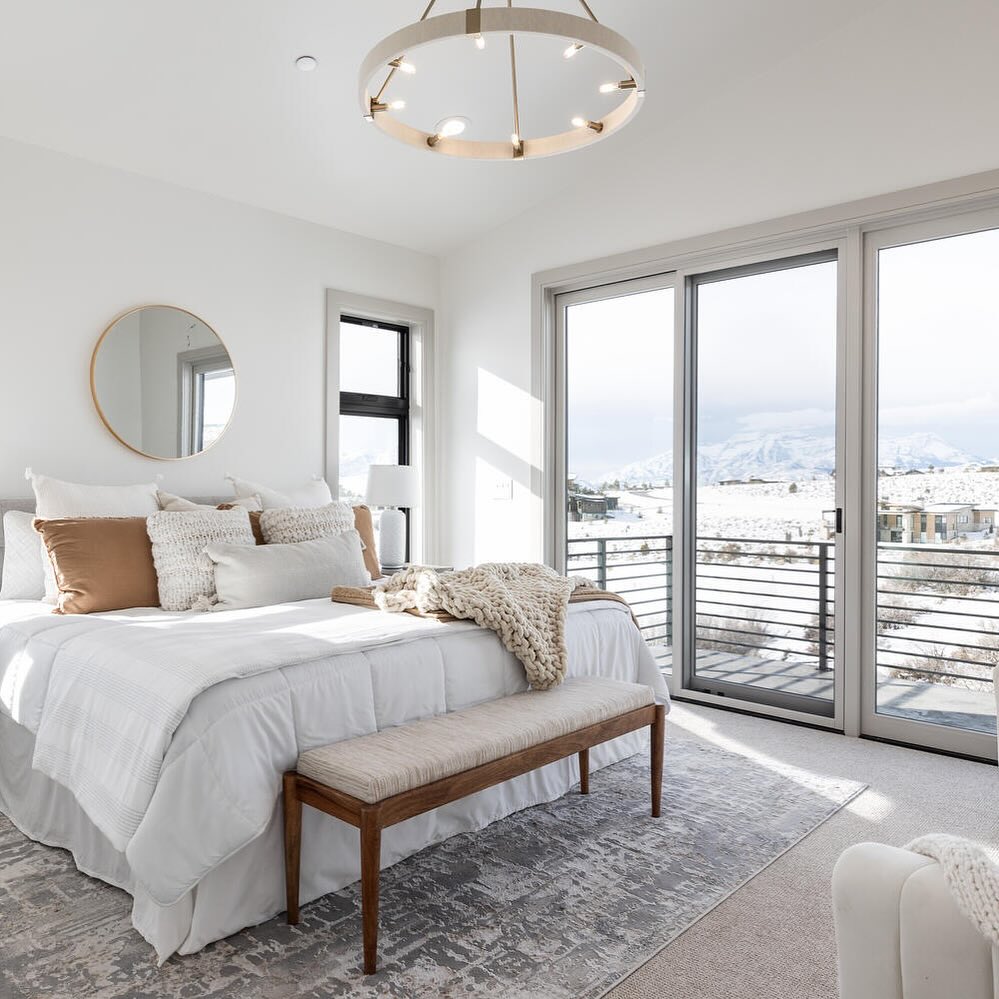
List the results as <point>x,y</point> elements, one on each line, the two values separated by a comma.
<point>578,122</point>
<point>572,50</point>
<point>608,88</point>
<point>397,105</point>
<point>451,128</point>
<point>480,42</point>
<point>404,67</point>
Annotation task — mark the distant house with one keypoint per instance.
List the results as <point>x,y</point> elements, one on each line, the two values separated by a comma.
<point>936,523</point>
<point>988,468</point>
<point>583,506</point>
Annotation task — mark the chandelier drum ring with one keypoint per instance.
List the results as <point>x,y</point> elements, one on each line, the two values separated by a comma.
<point>512,21</point>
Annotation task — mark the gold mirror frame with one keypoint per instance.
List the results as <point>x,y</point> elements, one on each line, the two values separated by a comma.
<point>93,382</point>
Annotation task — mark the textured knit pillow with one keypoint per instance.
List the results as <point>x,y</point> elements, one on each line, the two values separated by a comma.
<point>185,577</point>
<point>288,526</point>
<point>23,576</point>
<point>277,574</point>
<point>313,494</point>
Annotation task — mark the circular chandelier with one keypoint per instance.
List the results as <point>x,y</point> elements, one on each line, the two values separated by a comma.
<point>392,57</point>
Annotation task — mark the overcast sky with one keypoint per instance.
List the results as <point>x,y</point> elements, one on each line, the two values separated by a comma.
<point>767,356</point>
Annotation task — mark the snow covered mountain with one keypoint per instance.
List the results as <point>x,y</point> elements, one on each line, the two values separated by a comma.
<point>790,455</point>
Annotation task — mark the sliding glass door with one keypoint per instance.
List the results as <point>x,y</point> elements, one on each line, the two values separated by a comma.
<point>616,377</point>
<point>763,454</point>
<point>934,557</point>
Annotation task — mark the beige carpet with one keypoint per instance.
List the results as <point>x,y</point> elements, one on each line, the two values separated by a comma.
<point>774,937</point>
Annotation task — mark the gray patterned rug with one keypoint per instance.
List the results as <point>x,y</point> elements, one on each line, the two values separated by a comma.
<point>559,901</point>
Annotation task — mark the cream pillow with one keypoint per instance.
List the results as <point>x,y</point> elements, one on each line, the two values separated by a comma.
<point>290,525</point>
<point>58,500</point>
<point>177,504</point>
<point>23,571</point>
<point>278,574</point>
<point>186,580</point>
<point>312,494</point>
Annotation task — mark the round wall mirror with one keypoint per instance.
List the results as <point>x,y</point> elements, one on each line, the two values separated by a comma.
<point>163,382</point>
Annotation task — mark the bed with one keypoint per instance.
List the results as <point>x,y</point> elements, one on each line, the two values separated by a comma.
<point>151,744</point>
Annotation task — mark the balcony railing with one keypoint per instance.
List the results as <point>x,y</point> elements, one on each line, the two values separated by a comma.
<point>775,597</point>
<point>937,613</point>
<point>640,569</point>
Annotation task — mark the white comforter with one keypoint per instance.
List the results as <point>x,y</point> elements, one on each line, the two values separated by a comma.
<point>171,731</point>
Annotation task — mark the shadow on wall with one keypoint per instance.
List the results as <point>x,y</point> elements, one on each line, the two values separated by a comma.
<point>506,518</point>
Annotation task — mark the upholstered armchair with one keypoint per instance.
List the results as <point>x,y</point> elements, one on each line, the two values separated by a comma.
<point>900,934</point>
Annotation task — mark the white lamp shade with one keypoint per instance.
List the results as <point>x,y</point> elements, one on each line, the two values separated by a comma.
<point>392,485</point>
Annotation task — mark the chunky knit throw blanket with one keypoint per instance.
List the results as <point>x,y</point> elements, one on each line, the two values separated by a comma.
<point>525,604</point>
<point>971,876</point>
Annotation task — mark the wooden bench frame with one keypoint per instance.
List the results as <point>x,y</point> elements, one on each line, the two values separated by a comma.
<point>372,817</point>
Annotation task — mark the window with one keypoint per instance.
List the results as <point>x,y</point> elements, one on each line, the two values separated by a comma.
<point>765,456</point>
<point>617,355</point>
<point>208,393</point>
<point>374,401</point>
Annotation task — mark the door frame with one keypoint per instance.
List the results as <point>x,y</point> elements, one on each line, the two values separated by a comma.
<point>881,726</point>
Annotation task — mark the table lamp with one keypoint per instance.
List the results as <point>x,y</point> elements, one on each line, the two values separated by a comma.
<point>392,487</point>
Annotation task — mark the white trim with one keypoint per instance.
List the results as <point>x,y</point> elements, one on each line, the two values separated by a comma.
<point>423,421</point>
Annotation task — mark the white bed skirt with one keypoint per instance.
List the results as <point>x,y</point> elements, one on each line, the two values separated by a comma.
<point>248,887</point>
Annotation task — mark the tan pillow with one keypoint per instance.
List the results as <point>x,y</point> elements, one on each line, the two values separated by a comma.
<point>258,534</point>
<point>364,526</point>
<point>100,564</point>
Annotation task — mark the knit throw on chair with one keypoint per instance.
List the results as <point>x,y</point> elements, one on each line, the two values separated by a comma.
<point>524,603</point>
<point>971,876</point>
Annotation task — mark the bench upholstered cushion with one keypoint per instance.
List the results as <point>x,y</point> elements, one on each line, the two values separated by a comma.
<point>377,766</point>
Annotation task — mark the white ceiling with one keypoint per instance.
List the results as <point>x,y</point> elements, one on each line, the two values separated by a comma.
<point>205,94</point>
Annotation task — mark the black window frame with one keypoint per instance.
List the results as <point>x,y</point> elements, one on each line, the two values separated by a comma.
<point>393,407</point>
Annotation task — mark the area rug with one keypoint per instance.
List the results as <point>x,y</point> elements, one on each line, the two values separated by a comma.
<point>556,902</point>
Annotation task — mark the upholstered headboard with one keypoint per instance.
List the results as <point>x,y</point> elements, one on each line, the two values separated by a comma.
<point>29,506</point>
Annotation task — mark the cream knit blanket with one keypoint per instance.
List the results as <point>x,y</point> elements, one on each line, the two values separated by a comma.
<point>525,604</point>
<point>971,876</point>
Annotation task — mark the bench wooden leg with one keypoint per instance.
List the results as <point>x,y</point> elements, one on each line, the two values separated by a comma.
<point>658,739</point>
<point>292,844</point>
<point>371,862</point>
<point>584,771</point>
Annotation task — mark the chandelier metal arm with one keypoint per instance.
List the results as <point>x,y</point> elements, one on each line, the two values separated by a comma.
<point>518,146</point>
<point>586,7</point>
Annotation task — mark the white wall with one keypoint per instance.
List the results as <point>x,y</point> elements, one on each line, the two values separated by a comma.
<point>80,243</point>
<point>888,102</point>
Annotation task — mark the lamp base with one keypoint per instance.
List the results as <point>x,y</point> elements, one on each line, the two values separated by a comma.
<point>392,537</point>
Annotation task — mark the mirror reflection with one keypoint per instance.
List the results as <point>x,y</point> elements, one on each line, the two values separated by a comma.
<point>163,382</point>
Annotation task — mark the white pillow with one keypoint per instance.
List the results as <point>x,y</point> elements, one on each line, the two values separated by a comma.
<point>57,500</point>
<point>312,494</point>
<point>277,574</point>
<point>23,575</point>
<point>186,579</point>
<point>287,526</point>
<point>177,504</point>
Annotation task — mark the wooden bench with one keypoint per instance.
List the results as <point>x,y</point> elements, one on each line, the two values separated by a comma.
<point>377,780</point>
